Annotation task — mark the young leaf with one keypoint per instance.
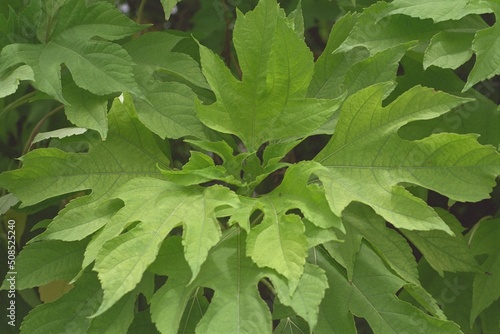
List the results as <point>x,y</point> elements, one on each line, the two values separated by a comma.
<point>366,147</point>
<point>282,235</point>
<point>371,295</point>
<point>269,102</point>
<point>159,206</point>
<point>305,300</point>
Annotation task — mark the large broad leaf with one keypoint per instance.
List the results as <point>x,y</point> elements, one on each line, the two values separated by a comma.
<point>130,151</point>
<point>440,10</point>
<point>43,262</point>
<point>159,206</point>
<point>442,251</point>
<point>269,102</point>
<point>387,31</point>
<point>168,106</point>
<point>71,313</point>
<point>236,306</point>
<point>98,66</point>
<point>390,245</point>
<point>371,295</point>
<point>366,147</point>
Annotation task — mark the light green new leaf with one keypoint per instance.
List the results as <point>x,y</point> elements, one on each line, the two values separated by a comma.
<point>366,147</point>
<point>98,66</point>
<point>305,300</point>
<point>59,133</point>
<point>270,101</point>
<point>159,207</point>
<point>236,306</point>
<point>282,236</point>
<point>200,168</point>
<point>371,295</point>
<point>43,262</point>
<point>130,151</point>
<point>438,10</point>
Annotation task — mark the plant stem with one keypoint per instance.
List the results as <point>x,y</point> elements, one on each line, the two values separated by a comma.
<point>37,127</point>
<point>20,101</point>
<point>140,11</point>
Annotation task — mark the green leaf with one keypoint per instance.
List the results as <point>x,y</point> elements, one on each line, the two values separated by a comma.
<point>269,102</point>
<point>283,236</point>
<point>85,109</point>
<point>330,68</point>
<point>9,81</point>
<point>460,120</point>
<point>305,300</point>
<point>291,325</point>
<point>484,240</point>
<point>43,262</point>
<point>371,295</point>
<point>389,244</point>
<point>449,49</point>
<point>70,313</point>
<point>159,206</point>
<point>442,251</point>
<point>454,165</point>
<point>130,151</point>
<point>389,31</point>
<point>168,6</point>
<point>168,107</point>
<point>236,306</point>
<point>440,10</point>
<point>485,289</point>
<point>199,169</point>
<point>60,133</point>
<point>98,66</point>
<point>487,48</point>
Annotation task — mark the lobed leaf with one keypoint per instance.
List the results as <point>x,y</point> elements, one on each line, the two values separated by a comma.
<point>130,151</point>
<point>454,165</point>
<point>159,207</point>
<point>371,295</point>
<point>270,101</point>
